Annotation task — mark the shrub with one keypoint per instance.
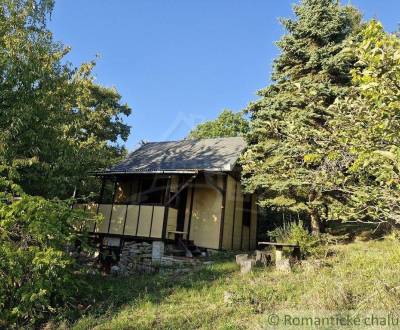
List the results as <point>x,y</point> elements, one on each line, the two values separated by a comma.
<point>296,233</point>
<point>38,273</point>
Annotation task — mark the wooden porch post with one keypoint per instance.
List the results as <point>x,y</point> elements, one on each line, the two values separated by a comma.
<point>166,209</point>
<point>99,200</point>
<point>221,230</point>
<point>112,204</point>
<point>191,208</point>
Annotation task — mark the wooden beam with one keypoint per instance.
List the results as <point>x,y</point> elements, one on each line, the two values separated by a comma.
<point>151,222</point>
<point>234,215</point>
<point>191,209</point>
<point>112,204</point>
<point>137,222</point>
<point>222,220</point>
<point>166,210</point>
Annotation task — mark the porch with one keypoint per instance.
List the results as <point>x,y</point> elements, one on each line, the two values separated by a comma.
<point>134,220</point>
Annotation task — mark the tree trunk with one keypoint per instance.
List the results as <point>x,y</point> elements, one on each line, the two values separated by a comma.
<point>315,223</point>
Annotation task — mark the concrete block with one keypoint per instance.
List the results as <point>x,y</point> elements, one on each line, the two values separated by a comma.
<point>245,266</point>
<point>241,257</point>
<point>283,265</point>
<point>157,251</point>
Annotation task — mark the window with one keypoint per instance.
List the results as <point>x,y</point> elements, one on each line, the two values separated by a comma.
<point>152,189</point>
<point>122,192</point>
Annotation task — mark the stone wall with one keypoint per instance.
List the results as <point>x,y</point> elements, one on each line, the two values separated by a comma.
<point>143,257</point>
<point>136,257</point>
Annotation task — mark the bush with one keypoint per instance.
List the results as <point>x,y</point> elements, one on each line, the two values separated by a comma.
<point>296,233</point>
<point>38,275</point>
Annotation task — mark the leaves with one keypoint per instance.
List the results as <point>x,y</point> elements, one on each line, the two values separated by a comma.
<point>228,124</point>
<point>56,123</point>
<point>367,123</point>
<point>289,156</point>
<point>38,275</point>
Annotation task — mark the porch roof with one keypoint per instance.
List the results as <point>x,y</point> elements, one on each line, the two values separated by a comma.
<point>186,156</point>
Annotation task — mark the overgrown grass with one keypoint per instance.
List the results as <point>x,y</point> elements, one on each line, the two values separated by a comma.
<point>361,276</point>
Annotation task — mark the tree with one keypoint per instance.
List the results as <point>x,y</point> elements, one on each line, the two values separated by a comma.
<point>39,276</point>
<point>365,149</point>
<point>287,139</point>
<point>227,124</point>
<point>56,123</point>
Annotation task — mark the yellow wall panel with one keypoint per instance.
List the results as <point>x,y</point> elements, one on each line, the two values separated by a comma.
<point>92,208</point>
<point>131,220</point>
<point>187,210</point>
<point>206,217</point>
<point>172,219</point>
<point>118,219</point>
<point>158,217</point>
<point>145,220</point>
<point>105,210</point>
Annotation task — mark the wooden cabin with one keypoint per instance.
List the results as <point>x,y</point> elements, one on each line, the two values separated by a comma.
<point>188,189</point>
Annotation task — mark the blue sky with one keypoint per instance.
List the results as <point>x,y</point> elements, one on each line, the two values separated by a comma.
<point>180,62</point>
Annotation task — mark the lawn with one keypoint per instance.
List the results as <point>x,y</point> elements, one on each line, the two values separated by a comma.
<point>360,277</point>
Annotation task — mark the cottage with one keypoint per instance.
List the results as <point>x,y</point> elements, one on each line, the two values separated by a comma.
<point>188,190</point>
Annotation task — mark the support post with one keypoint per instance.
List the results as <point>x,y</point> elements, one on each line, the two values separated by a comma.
<point>221,230</point>
<point>166,209</point>
<point>191,209</point>
<point>112,204</point>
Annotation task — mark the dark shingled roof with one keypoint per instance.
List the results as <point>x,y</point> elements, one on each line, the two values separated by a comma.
<point>218,154</point>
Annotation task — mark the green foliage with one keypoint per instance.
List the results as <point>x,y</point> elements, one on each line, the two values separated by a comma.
<point>227,124</point>
<point>39,278</point>
<point>288,131</point>
<point>366,132</point>
<point>56,123</point>
<point>296,233</point>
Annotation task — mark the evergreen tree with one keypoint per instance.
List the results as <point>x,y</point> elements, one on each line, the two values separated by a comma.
<point>288,134</point>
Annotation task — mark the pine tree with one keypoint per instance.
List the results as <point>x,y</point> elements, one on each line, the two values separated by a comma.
<point>289,133</point>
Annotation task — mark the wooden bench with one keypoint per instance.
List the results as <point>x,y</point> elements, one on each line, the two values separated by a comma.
<point>279,249</point>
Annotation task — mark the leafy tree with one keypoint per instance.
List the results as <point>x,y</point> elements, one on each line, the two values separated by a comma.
<point>365,149</point>
<point>56,123</point>
<point>227,124</point>
<point>38,274</point>
<point>287,145</point>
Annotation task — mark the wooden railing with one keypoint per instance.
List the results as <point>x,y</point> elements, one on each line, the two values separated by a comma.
<point>131,220</point>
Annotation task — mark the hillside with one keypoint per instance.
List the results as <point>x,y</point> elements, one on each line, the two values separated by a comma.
<point>360,276</point>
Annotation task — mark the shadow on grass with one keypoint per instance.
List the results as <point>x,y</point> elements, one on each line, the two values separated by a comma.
<point>348,232</point>
<point>109,295</point>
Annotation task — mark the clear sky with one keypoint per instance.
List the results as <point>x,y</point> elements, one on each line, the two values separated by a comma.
<point>180,62</point>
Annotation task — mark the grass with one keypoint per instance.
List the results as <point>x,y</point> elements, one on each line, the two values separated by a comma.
<point>360,276</point>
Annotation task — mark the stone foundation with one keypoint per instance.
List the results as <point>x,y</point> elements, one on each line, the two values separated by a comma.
<point>136,258</point>
<point>143,257</point>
